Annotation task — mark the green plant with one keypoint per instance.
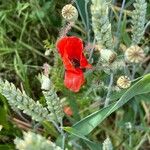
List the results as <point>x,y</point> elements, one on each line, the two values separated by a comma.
<point>110,109</point>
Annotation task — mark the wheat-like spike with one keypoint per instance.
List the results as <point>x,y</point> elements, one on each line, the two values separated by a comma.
<point>53,103</point>
<point>100,23</point>
<point>32,141</point>
<point>19,100</point>
<point>138,21</point>
<point>107,145</point>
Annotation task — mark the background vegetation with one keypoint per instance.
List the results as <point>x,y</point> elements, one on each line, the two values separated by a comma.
<point>24,25</point>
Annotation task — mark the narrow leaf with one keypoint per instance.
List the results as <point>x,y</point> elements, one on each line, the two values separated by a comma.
<point>90,144</point>
<point>81,4</point>
<point>87,124</point>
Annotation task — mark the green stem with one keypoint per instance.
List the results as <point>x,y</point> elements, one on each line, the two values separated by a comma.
<point>133,71</point>
<point>74,106</point>
<point>87,19</point>
<point>119,24</point>
<point>60,130</point>
<point>63,135</point>
<point>109,90</point>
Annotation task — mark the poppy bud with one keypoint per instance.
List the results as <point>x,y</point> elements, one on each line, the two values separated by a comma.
<point>1,127</point>
<point>47,52</point>
<point>69,13</point>
<point>45,83</point>
<point>108,55</point>
<point>68,111</point>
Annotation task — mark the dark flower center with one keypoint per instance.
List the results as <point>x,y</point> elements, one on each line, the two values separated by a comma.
<point>76,63</point>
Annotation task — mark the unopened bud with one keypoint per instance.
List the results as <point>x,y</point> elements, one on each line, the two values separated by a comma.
<point>47,52</point>
<point>108,55</point>
<point>1,127</point>
<point>45,83</point>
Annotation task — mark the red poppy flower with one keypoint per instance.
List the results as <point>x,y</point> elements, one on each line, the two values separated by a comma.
<point>71,51</point>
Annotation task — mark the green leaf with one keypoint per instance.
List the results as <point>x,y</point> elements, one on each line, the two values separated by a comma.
<point>125,37</point>
<point>87,124</point>
<point>3,118</point>
<point>49,129</point>
<point>90,144</point>
<point>82,6</point>
<point>143,97</point>
<point>75,133</point>
<point>21,71</point>
<point>6,147</point>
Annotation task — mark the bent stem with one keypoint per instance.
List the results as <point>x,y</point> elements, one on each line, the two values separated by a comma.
<point>109,90</point>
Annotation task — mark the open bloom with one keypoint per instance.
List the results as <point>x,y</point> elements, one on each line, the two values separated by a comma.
<point>71,51</point>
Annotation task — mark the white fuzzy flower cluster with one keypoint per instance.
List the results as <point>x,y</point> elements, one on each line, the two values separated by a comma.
<point>32,141</point>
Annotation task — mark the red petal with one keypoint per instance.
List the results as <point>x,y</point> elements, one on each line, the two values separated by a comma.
<point>61,45</point>
<point>74,80</point>
<point>72,46</point>
<point>68,64</point>
<point>84,63</point>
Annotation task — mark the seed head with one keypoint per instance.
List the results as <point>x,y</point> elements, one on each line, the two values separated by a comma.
<point>69,13</point>
<point>134,54</point>
<point>123,82</point>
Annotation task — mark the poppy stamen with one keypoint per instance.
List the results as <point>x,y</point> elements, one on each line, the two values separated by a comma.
<point>75,63</point>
